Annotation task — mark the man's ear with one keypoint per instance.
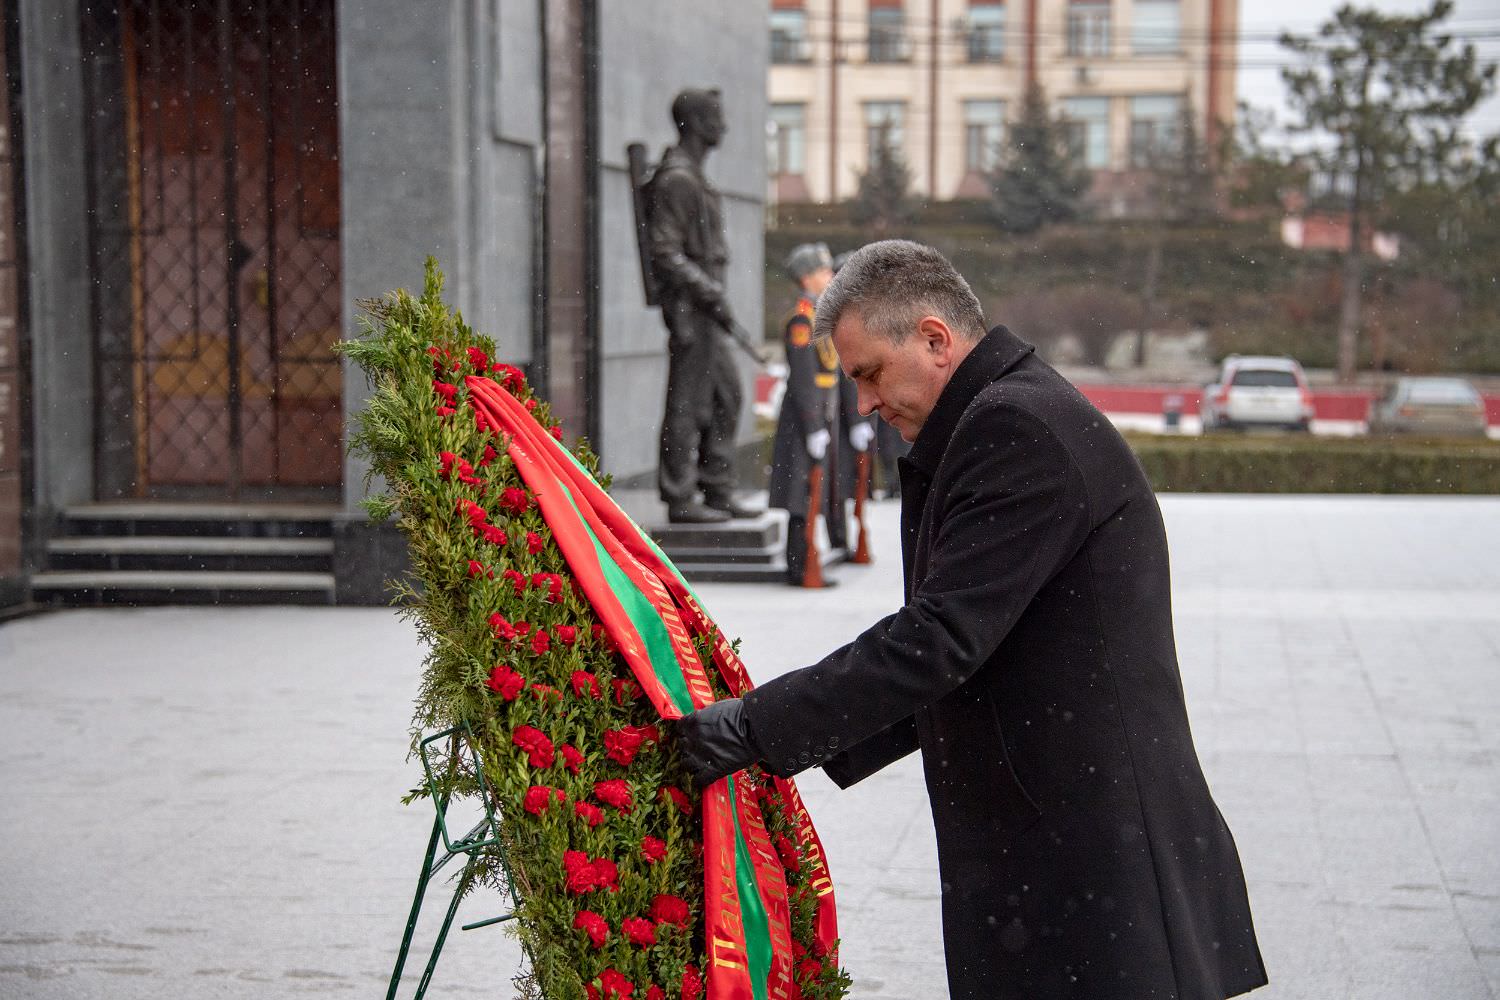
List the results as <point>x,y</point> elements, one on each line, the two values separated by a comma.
<point>937,337</point>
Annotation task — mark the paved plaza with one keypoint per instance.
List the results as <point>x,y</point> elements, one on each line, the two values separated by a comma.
<point>204,803</point>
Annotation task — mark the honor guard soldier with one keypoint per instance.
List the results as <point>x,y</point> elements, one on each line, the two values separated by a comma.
<point>807,446</point>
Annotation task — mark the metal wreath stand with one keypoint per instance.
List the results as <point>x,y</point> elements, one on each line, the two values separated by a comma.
<point>485,833</point>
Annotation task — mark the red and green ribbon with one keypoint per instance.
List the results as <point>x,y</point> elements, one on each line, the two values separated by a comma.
<point>650,613</point>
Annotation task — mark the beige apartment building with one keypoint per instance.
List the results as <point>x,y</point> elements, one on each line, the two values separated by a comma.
<point>943,78</point>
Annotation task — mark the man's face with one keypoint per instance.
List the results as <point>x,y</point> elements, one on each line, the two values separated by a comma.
<point>902,381</point>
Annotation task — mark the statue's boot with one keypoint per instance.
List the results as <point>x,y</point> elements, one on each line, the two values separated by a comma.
<point>694,513</point>
<point>729,505</point>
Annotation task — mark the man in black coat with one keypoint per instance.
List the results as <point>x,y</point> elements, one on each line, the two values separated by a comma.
<point>1033,664</point>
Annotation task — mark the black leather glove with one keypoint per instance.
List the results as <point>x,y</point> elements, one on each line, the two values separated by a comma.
<point>716,740</point>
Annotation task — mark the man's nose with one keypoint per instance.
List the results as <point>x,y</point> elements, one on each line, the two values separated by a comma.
<point>866,402</point>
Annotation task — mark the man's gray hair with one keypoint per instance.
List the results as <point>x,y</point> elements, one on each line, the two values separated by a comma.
<point>892,285</point>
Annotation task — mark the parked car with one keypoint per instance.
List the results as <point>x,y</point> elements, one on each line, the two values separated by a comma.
<point>1257,392</point>
<point>1423,405</point>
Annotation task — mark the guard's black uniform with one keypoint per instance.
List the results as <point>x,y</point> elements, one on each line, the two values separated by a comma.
<point>810,404</point>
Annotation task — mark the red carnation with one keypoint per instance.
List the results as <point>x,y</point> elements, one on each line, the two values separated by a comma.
<point>692,985</point>
<point>590,813</point>
<point>502,628</point>
<point>621,745</point>
<point>478,358</point>
<point>613,984</point>
<point>493,535</point>
<point>571,757</point>
<point>584,684</point>
<point>539,798</point>
<point>541,642</point>
<point>606,874</point>
<point>615,792</point>
<point>534,543</point>
<point>593,925</point>
<point>517,580</point>
<point>653,849</point>
<point>625,690</point>
<point>639,930</point>
<point>505,682</point>
<point>477,568</point>
<point>809,969</point>
<point>531,405</point>
<point>538,748</point>
<point>656,993</point>
<point>444,411</point>
<point>670,910</point>
<point>445,390</point>
<point>515,500</point>
<point>510,376</point>
<point>522,627</point>
<point>788,852</point>
<point>566,634</point>
<point>546,691</point>
<point>445,463</point>
<point>578,872</point>
<point>490,454</point>
<point>679,799</point>
<point>556,431</point>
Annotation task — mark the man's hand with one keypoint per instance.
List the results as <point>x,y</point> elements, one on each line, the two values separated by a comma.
<point>860,436</point>
<point>716,740</point>
<point>817,444</point>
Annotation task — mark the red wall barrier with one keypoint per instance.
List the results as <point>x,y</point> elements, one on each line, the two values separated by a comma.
<point>1328,404</point>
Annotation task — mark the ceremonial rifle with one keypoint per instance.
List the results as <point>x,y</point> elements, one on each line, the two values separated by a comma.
<point>861,487</point>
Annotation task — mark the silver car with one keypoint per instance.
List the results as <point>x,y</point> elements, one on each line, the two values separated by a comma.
<point>1424,405</point>
<point>1257,392</point>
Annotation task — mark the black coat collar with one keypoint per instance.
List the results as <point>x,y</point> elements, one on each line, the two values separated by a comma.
<point>992,357</point>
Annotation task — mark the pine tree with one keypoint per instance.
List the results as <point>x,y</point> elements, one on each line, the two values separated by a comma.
<point>1391,91</point>
<point>1038,181</point>
<point>883,201</point>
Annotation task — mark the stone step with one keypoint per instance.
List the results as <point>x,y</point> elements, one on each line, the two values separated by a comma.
<point>250,520</point>
<point>180,587</point>
<point>190,553</point>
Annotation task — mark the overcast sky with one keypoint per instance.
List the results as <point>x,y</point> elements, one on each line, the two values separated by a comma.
<point>1262,20</point>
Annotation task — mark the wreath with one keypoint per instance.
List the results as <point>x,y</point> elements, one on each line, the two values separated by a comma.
<point>559,639</point>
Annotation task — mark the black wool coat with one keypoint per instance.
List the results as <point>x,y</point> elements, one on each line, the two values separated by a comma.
<point>1034,665</point>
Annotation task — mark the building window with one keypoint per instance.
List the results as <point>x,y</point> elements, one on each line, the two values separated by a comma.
<point>887,40</point>
<point>986,35</point>
<point>1088,130</point>
<point>1155,122</point>
<point>1088,28</point>
<point>1155,27</point>
<point>789,36</point>
<point>888,117</point>
<point>984,131</point>
<point>789,140</point>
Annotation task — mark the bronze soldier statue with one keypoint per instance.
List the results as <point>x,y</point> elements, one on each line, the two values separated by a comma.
<point>688,257</point>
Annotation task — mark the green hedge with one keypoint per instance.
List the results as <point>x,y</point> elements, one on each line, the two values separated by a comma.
<point>1288,464</point>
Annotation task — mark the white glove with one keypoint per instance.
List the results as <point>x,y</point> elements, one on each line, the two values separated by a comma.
<point>817,444</point>
<point>860,436</point>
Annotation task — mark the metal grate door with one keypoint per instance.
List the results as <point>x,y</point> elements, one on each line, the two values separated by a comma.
<point>214,200</point>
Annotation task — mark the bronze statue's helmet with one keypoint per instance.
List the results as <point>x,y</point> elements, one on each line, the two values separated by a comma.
<point>806,258</point>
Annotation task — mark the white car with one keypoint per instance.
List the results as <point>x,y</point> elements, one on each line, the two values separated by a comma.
<point>1258,392</point>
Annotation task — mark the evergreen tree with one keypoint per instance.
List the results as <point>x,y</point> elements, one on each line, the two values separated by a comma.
<point>883,201</point>
<point>1038,180</point>
<point>1391,91</point>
